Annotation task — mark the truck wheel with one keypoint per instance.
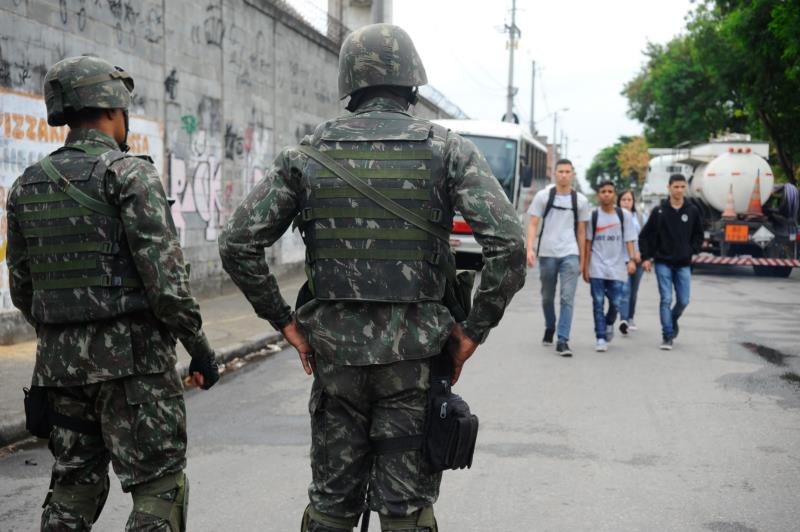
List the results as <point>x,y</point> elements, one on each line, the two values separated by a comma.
<point>773,271</point>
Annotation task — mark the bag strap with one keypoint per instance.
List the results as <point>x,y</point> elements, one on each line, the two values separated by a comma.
<point>595,214</point>
<point>551,198</point>
<point>574,196</point>
<point>76,194</point>
<point>387,203</point>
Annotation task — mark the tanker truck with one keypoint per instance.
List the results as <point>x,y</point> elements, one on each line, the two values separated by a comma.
<point>747,219</point>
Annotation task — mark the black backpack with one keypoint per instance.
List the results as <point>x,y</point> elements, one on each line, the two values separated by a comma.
<point>551,198</point>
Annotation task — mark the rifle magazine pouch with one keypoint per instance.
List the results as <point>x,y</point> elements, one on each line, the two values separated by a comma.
<point>452,430</point>
<point>37,412</point>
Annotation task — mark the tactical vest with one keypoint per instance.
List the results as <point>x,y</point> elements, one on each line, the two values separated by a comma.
<point>80,262</point>
<point>356,250</point>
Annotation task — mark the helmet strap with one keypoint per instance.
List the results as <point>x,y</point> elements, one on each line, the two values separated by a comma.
<point>124,144</point>
<point>414,98</point>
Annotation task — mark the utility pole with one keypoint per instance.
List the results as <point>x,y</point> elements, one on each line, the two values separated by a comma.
<point>533,83</point>
<point>555,155</point>
<point>513,31</point>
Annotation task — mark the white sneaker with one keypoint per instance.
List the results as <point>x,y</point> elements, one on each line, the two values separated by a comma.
<point>609,332</point>
<point>632,326</point>
<point>602,345</point>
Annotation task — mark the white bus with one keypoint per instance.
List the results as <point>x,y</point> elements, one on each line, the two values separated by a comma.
<point>516,159</point>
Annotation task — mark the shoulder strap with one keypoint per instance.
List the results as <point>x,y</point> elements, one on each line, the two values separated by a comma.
<point>621,217</point>
<point>76,194</point>
<point>551,198</point>
<point>595,214</point>
<point>574,194</point>
<point>387,203</point>
<point>376,196</point>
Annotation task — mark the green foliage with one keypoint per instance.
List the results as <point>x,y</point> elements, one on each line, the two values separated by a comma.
<point>606,167</point>
<point>737,68</point>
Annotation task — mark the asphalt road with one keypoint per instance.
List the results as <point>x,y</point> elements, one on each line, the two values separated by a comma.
<point>705,438</point>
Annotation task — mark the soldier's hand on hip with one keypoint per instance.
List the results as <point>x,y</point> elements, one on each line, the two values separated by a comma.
<point>298,340</point>
<point>460,347</point>
<point>204,371</point>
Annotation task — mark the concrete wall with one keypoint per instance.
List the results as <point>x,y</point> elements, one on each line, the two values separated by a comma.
<point>221,87</point>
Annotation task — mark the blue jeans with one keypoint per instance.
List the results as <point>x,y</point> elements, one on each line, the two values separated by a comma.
<point>630,290</point>
<point>680,277</point>
<point>550,268</point>
<point>602,288</point>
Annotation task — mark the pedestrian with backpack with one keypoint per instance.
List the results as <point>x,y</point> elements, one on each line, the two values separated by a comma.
<point>672,234</point>
<point>609,243</point>
<point>630,290</point>
<point>563,212</point>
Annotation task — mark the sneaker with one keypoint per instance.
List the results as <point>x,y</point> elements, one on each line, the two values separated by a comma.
<point>562,348</point>
<point>675,329</point>
<point>666,344</point>
<point>548,336</point>
<point>601,346</point>
<point>632,326</point>
<point>609,333</point>
<point>623,327</point>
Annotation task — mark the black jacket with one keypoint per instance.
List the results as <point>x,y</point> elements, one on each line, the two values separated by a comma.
<point>671,236</point>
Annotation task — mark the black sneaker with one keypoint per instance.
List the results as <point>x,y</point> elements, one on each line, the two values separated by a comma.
<point>675,329</point>
<point>548,336</point>
<point>623,327</point>
<point>563,349</point>
<point>666,344</point>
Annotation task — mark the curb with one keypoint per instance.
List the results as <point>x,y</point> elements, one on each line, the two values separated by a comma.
<point>14,431</point>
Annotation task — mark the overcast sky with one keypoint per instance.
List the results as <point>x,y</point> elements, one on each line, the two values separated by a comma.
<point>585,51</point>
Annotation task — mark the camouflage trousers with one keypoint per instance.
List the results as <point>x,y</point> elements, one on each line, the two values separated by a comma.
<point>351,405</point>
<point>143,426</point>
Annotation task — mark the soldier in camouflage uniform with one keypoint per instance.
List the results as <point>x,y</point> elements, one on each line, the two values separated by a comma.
<point>95,266</point>
<point>376,317</point>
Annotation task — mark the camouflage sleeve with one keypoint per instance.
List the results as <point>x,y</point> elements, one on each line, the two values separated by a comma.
<point>477,195</point>
<point>19,271</point>
<point>153,241</point>
<point>257,223</point>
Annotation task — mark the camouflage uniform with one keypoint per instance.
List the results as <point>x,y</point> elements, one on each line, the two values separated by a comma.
<point>118,370</point>
<point>372,339</point>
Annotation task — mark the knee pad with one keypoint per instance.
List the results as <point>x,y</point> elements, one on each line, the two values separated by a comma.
<point>77,501</point>
<point>315,521</point>
<point>420,521</point>
<point>166,499</point>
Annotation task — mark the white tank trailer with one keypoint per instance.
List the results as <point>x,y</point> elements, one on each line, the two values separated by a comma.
<point>722,177</point>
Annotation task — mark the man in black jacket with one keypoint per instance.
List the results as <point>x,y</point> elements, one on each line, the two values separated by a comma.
<point>672,234</point>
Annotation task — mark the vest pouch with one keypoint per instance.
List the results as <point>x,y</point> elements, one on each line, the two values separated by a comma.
<point>37,412</point>
<point>451,430</point>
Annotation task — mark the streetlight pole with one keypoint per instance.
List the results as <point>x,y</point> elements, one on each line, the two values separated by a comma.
<point>512,41</point>
<point>555,122</point>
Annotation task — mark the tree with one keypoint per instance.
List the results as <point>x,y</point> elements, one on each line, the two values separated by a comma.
<point>605,167</point>
<point>761,64</point>
<point>677,99</point>
<point>633,160</point>
<point>737,68</point>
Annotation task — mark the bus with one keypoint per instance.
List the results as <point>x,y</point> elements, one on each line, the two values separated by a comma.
<point>517,160</point>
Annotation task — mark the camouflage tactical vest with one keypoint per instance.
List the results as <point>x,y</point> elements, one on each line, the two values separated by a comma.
<point>80,262</point>
<point>356,250</point>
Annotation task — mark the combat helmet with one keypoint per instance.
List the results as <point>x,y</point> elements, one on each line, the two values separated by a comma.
<point>379,54</point>
<point>85,81</point>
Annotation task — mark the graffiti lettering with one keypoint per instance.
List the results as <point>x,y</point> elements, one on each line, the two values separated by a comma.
<point>197,196</point>
<point>234,143</point>
<point>171,83</point>
<point>153,28</point>
<point>189,123</point>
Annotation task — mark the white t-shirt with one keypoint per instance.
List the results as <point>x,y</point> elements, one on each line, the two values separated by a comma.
<point>609,254</point>
<point>558,239</point>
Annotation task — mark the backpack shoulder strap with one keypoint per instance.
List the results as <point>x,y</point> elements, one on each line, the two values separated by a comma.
<point>595,214</point>
<point>574,195</point>
<point>551,198</point>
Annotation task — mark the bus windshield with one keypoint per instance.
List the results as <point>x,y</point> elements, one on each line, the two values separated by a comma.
<point>501,154</point>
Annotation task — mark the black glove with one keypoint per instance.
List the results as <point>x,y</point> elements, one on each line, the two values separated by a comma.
<point>207,367</point>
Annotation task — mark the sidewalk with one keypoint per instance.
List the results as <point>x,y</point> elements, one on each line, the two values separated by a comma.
<point>229,322</point>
